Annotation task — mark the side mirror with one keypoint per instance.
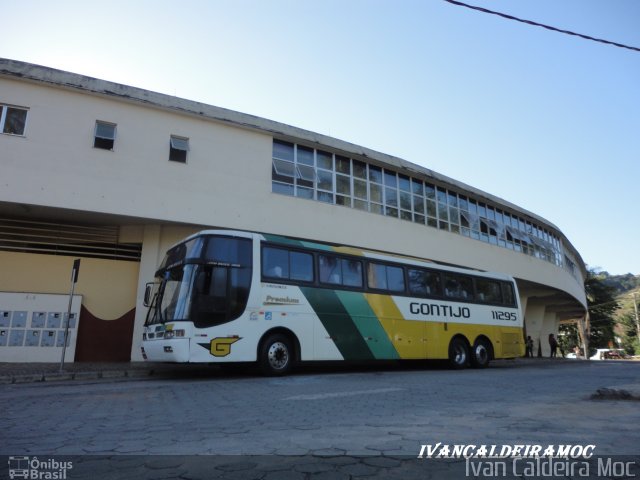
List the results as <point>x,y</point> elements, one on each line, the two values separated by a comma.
<point>147,294</point>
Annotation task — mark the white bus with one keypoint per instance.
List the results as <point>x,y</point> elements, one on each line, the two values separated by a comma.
<point>233,296</point>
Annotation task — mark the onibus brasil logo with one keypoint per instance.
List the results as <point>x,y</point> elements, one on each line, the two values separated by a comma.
<point>35,469</point>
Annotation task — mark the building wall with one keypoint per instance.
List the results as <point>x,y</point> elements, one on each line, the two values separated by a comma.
<point>108,289</point>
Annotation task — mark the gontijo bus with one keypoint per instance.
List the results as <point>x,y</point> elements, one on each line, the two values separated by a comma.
<point>234,296</point>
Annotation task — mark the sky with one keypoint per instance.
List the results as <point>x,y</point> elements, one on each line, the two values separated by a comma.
<point>547,121</point>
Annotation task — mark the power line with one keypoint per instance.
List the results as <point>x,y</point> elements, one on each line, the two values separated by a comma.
<point>536,24</point>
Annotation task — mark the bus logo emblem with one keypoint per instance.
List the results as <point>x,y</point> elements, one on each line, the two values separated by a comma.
<point>221,346</point>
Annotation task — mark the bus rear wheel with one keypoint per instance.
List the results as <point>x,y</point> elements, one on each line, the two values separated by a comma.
<point>276,355</point>
<point>458,353</point>
<point>481,354</point>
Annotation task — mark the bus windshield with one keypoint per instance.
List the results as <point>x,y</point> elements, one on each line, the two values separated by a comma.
<point>205,281</point>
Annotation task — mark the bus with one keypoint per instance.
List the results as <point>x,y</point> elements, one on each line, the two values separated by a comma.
<point>224,296</point>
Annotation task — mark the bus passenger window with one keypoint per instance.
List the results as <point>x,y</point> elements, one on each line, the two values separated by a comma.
<point>385,277</point>
<point>330,270</point>
<point>395,279</point>
<point>423,283</point>
<point>352,273</point>
<point>507,294</point>
<point>488,291</point>
<point>377,276</point>
<point>275,262</point>
<point>458,286</point>
<point>301,266</point>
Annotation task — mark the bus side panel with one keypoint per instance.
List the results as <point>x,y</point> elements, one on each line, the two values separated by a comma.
<point>407,337</point>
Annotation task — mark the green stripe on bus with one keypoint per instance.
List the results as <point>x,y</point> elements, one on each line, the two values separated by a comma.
<point>368,324</point>
<point>338,323</point>
<point>295,243</point>
<point>282,240</point>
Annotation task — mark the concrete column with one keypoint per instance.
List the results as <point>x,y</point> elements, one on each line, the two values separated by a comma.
<point>534,318</point>
<point>549,325</point>
<point>149,260</point>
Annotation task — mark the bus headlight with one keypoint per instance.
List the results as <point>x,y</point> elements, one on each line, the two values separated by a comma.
<point>174,334</point>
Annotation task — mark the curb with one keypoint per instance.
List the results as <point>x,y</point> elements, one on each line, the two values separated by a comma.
<point>81,376</point>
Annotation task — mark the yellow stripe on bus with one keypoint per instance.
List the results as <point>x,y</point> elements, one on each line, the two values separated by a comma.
<point>407,336</point>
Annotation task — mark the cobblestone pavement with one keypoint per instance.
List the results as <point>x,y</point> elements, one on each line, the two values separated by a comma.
<point>319,423</point>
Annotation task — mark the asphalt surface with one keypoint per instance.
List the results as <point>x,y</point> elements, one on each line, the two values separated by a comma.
<point>323,422</point>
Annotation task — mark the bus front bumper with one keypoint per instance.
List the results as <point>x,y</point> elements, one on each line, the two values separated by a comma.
<point>174,350</point>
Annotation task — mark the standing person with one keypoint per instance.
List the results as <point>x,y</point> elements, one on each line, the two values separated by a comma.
<point>529,347</point>
<point>553,343</point>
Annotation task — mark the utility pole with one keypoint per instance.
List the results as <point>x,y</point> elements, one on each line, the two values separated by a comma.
<point>635,306</point>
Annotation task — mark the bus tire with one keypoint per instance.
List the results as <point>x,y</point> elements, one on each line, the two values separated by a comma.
<point>458,353</point>
<point>276,355</point>
<point>481,354</point>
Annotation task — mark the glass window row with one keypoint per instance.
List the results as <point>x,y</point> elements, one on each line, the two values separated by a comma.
<point>326,177</point>
<point>303,267</point>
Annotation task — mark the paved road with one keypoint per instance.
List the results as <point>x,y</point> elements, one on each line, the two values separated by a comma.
<point>319,423</point>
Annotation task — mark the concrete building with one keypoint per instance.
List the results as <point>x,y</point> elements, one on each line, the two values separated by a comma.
<point>114,175</point>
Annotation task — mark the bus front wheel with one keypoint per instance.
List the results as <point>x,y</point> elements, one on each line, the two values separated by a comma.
<point>276,355</point>
<point>458,353</point>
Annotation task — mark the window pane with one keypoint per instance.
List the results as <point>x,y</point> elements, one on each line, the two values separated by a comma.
<point>424,283</point>
<point>458,286</point>
<point>488,291</point>
<point>179,143</point>
<point>376,193</point>
<point>405,200</point>
<point>343,184</point>
<point>377,276</point>
<point>306,172</point>
<point>325,197</point>
<point>359,169</point>
<point>391,197</point>
<point>105,130</point>
<point>301,266</point>
<point>282,188</point>
<point>352,273</point>
<point>325,180</point>
<point>360,205</point>
<point>390,179</point>
<point>283,150</point>
<point>418,218</point>
<point>509,297</point>
<point>303,192</point>
<point>431,208</point>
<point>305,155</point>
<point>391,212</point>
<point>284,169</point>
<point>376,208</point>
<point>14,121</point>
<point>275,263</point>
<point>430,191</point>
<point>405,215</point>
<point>324,159</point>
<point>280,178</point>
<point>330,270</point>
<point>360,189</point>
<point>375,174</point>
<point>417,187</point>
<point>340,200</point>
<point>395,279</point>
<point>343,165</point>
<point>229,251</point>
<point>404,183</point>
<point>418,204</point>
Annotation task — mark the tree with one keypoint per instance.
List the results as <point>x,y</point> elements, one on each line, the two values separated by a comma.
<point>602,307</point>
